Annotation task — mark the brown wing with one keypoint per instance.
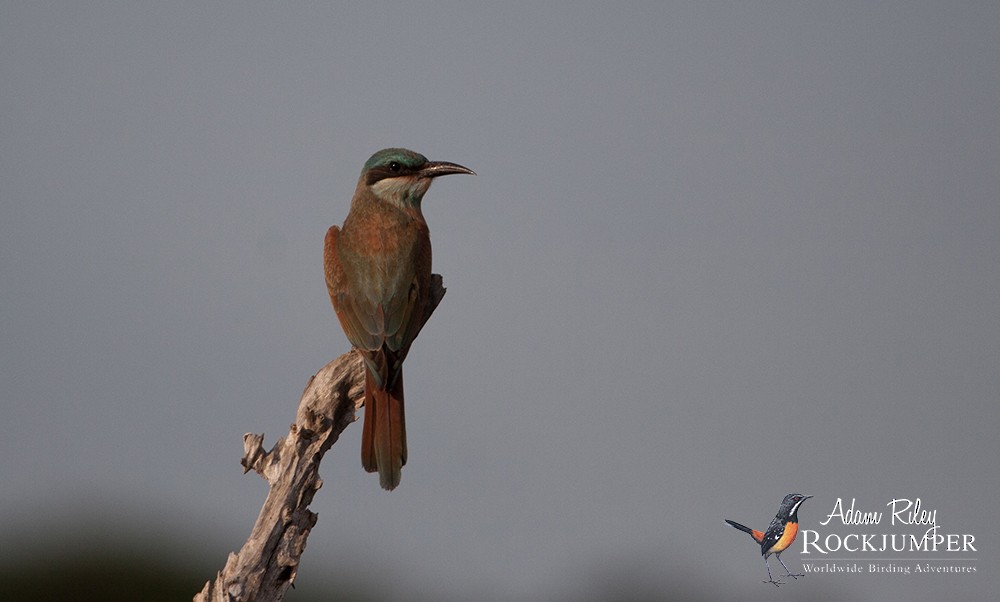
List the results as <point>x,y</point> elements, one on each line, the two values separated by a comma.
<point>357,325</point>
<point>406,313</point>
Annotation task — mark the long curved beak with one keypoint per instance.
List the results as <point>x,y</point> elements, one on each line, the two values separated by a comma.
<point>434,169</point>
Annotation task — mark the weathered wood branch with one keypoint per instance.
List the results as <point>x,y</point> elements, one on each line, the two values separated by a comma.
<point>268,562</point>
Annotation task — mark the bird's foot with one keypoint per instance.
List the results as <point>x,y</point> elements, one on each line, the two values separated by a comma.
<point>776,583</point>
<point>794,575</point>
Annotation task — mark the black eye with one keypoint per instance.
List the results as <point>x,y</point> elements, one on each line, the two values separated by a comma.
<point>394,166</point>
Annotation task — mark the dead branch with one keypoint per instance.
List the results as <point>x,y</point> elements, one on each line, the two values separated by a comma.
<point>268,562</point>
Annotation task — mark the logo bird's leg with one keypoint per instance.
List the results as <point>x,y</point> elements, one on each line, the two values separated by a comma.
<point>788,573</point>
<point>770,579</point>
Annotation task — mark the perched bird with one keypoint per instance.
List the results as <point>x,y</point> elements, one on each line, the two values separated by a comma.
<point>780,534</point>
<point>378,273</point>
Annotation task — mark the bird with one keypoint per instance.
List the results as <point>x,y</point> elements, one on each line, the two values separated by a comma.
<point>780,533</point>
<point>378,274</point>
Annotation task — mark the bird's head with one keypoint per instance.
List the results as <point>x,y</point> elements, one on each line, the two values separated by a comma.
<point>792,502</point>
<point>402,177</point>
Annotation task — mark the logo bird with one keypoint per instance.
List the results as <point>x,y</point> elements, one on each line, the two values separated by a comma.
<point>780,533</point>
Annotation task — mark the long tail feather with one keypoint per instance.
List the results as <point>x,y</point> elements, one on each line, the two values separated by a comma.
<point>368,430</point>
<point>757,535</point>
<point>383,437</point>
<point>743,528</point>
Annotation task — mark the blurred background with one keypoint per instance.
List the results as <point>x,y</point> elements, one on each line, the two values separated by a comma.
<point>715,253</point>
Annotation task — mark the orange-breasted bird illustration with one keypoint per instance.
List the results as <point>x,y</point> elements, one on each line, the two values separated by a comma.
<point>378,273</point>
<point>780,533</point>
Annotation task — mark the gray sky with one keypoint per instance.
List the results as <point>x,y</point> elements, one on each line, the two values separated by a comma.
<point>715,253</point>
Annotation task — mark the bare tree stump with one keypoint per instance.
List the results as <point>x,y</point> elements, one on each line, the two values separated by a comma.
<point>268,562</point>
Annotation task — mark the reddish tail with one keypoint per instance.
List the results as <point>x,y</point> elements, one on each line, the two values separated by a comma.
<point>383,437</point>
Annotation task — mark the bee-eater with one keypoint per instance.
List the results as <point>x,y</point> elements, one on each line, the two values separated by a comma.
<point>378,272</point>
